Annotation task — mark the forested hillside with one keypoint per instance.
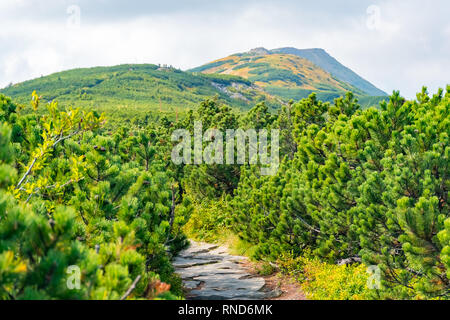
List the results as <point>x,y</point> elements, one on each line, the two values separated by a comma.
<point>360,188</point>
<point>240,81</point>
<point>140,87</point>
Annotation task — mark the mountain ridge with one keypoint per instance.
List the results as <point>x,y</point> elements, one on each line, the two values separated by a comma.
<point>321,60</point>
<point>241,80</point>
<point>142,85</point>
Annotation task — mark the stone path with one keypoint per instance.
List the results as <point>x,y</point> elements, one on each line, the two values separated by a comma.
<point>209,272</point>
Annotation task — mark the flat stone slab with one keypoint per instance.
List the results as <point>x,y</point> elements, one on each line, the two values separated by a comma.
<point>191,284</point>
<point>209,272</point>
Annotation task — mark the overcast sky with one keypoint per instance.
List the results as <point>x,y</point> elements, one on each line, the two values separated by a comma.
<point>394,44</point>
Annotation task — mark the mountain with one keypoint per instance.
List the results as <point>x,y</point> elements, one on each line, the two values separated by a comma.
<point>240,80</point>
<point>292,73</point>
<point>145,85</point>
<point>322,59</point>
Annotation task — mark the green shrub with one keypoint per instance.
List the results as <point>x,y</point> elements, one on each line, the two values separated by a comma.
<point>358,183</point>
<point>324,281</point>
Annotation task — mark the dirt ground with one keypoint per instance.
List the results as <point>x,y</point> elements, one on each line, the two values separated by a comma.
<point>290,289</point>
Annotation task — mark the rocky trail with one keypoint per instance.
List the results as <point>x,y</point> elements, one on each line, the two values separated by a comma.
<point>209,272</point>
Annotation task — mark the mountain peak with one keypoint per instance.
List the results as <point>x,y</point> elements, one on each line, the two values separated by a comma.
<point>280,74</point>
<point>293,73</point>
<point>292,49</point>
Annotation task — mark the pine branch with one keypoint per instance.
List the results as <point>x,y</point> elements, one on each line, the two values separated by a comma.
<point>131,288</point>
<point>26,173</point>
<point>35,159</point>
<point>172,215</point>
<point>61,139</point>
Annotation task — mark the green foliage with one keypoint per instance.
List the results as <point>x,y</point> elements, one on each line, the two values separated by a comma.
<point>264,73</point>
<point>289,73</point>
<point>366,184</point>
<point>322,59</point>
<point>129,92</point>
<point>208,221</point>
<point>211,181</point>
<point>211,65</point>
<point>370,183</point>
<point>444,238</point>
<point>325,281</point>
<point>103,203</point>
<point>265,269</point>
<point>299,94</point>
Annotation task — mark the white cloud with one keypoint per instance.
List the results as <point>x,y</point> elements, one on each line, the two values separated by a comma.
<point>410,47</point>
<point>8,4</point>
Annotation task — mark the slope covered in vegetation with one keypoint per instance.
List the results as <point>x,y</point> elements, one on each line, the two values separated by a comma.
<point>291,75</point>
<point>139,87</point>
<point>322,59</point>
